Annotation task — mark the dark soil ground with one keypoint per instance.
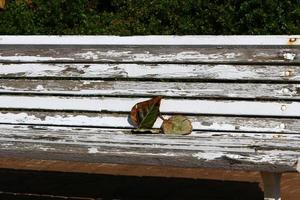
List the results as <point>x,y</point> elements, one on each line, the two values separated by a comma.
<point>33,185</point>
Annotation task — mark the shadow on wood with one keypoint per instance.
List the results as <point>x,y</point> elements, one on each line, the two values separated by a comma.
<point>87,186</point>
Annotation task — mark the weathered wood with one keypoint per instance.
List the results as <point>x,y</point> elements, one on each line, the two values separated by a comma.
<point>271,185</point>
<point>128,170</point>
<point>207,123</point>
<point>242,153</point>
<point>150,88</point>
<point>179,54</point>
<point>153,71</point>
<point>189,106</point>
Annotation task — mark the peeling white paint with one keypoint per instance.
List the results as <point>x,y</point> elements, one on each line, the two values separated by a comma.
<point>286,92</point>
<point>45,148</point>
<point>31,58</point>
<point>208,155</point>
<point>88,55</point>
<point>39,87</point>
<point>158,71</point>
<point>298,165</point>
<point>93,150</point>
<point>289,56</point>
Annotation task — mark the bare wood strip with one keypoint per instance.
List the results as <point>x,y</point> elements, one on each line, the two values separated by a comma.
<point>113,146</point>
<point>128,170</point>
<point>140,88</point>
<point>208,123</point>
<point>193,54</point>
<point>153,71</point>
<point>112,104</point>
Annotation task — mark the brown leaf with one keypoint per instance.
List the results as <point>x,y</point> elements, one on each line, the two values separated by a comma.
<point>177,125</point>
<point>144,114</point>
<point>2,4</point>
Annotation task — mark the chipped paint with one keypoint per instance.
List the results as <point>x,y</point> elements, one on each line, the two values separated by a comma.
<point>289,56</point>
<point>208,155</point>
<point>31,58</point>
<point>39,87</point>
<point>298,165</point>
<point>93,150</point>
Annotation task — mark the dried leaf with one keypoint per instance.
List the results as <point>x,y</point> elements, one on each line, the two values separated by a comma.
<point>177,125</point>
<point>2,4</point>
<point>144,114</point>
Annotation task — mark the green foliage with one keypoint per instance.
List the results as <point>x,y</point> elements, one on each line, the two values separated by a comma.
<point>143,17</point>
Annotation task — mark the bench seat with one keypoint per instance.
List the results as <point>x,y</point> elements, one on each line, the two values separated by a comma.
<point>66,100</point>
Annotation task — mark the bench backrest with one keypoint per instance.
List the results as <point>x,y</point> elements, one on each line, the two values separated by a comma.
<point>242,85</point>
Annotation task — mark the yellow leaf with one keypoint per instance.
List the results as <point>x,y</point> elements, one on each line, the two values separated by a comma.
<point>177,125</point>
<point>2,4</point>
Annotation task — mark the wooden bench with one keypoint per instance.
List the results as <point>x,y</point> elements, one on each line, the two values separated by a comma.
<point>65,102</point>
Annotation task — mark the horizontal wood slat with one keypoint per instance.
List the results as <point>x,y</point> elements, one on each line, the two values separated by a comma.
<point>275,154</point>
<point>209,123</point>
<point>153,71</point>
<point>192,54</point>
<point>151,88</point>
<point>208,40</point>
<point>111,104</point>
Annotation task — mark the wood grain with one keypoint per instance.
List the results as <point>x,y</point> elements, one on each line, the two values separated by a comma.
<point>283,73</point>
<point>244,153</point>
<point>176,54</point>
<point>151,88</point>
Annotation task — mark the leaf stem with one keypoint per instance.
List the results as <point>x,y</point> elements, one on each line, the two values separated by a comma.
<point>160,116</point>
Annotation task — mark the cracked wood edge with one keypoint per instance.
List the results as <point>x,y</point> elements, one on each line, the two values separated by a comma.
<point>150,150</point>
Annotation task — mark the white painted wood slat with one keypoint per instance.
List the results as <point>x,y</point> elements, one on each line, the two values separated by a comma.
<point>151,88</point>
<point>222,107</point>
<point>153,71</point>
<point>151,40</point>
<point>207,123</point>
<point>149,54</point>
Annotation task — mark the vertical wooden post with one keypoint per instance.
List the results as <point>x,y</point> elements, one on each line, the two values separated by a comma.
<point>271,185</point>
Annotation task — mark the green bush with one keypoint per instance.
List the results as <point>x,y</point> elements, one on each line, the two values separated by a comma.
<point>144,17</point>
